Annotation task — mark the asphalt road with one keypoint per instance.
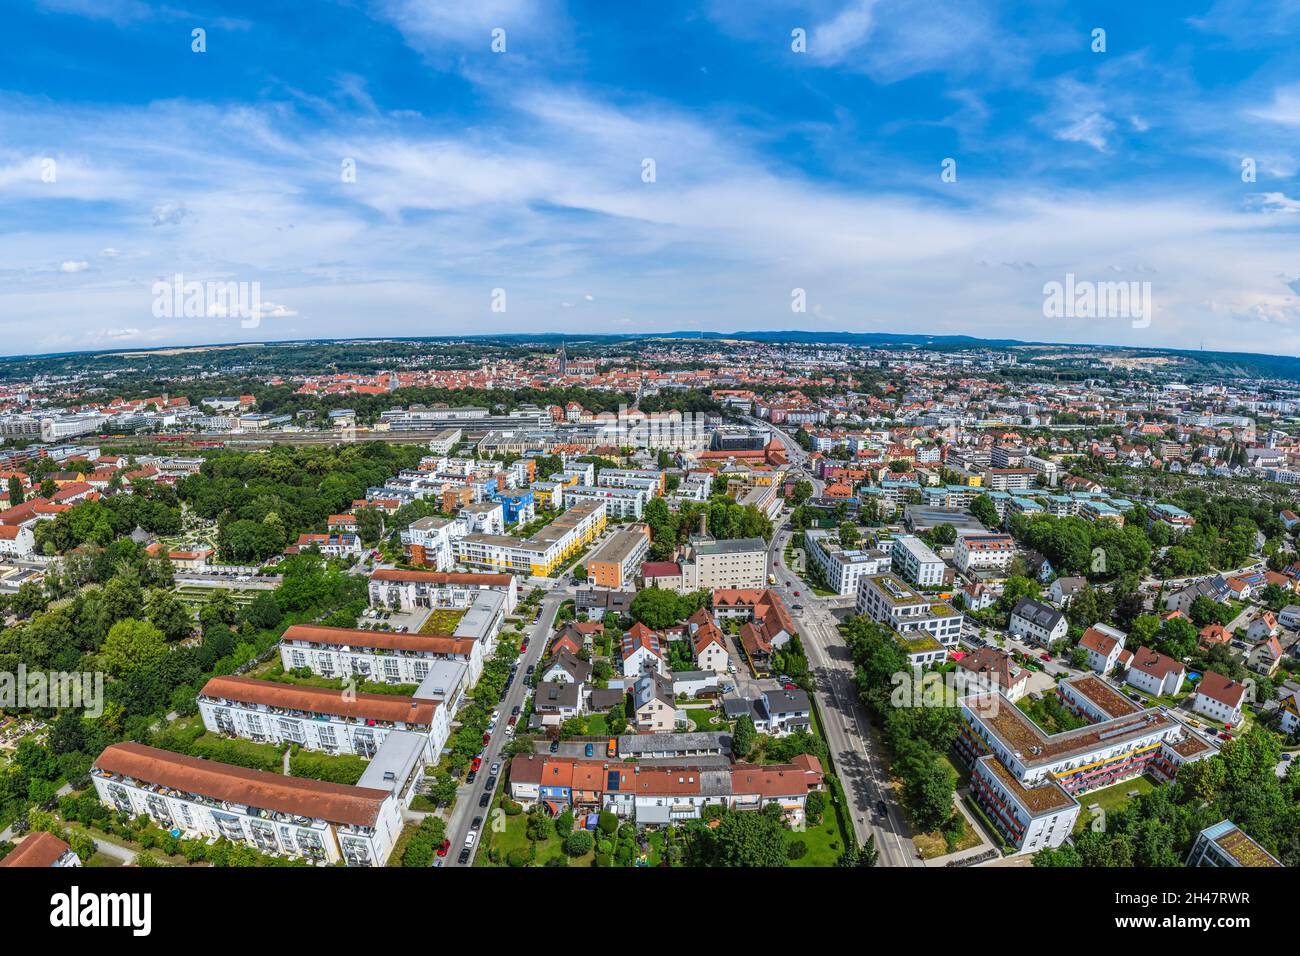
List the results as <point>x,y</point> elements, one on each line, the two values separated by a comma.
<point>854,747</point>
<point>467,797</point>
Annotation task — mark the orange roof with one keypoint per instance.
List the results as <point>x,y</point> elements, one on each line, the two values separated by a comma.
<point>41,849</point>
<point>322,700</point>
<point>382,640</point>
<point>334,802</point>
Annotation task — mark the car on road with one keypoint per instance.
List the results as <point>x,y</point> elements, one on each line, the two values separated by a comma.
<point>589,751</point>
<point>496,767</point>
<point>464,856</point>
<point>478,822</point>
<point>1044,656</point>
<point>485,799</point>
<point>470,837</point>
<point>476,763</point>
<point>881,808</point>
<point>788,685</point>
<point>495,715</point>
<point>442,850</point>
<point>510,724</point>
<point>514,711</point>
<point>471,776</point>
<point>487,738</point>
<point>797,607</point>
<point>796,593</point>
<point>555,746</point>
<point>490,783</point>
<point>531,668</point>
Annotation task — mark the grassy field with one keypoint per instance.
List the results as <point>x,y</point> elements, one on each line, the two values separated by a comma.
<point>442,621</point>
<point>1110,799</point>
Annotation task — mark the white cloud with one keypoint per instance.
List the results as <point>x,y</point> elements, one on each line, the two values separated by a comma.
<point>71,265</point>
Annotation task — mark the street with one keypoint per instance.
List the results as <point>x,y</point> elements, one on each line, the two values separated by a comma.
<point>467,796</point>
<point>853,745</point>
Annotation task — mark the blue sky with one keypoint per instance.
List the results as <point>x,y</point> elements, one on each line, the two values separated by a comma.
<point>522,171</point>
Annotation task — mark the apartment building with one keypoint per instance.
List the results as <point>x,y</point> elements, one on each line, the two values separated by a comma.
<point>396,589</point>
<point>391,657</point>
<point>616,562</point>
<point>1037,622</point>
<point>542,553</point>
<point>735,563</point>
<point>1027,780</point>
<point>428,542</point>
<point>887,599</point>
<point>323,822</point>
<point>913,560</point>
<point>40,850</point>
<point>1226,845</point>
<point>1010,479</point>
<point>842,568</point>
<point>650,482</point>
<point>1155,673</point>
<point>620,502</point>
<point>974,553</point>
<point>318,718</point>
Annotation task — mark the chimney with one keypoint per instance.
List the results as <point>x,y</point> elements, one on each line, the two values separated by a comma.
<point>704,523</point>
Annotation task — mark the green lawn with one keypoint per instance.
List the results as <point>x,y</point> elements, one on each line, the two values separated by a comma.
<point>1110,798</point>
<point>825,842</point>
<point>515,837</point>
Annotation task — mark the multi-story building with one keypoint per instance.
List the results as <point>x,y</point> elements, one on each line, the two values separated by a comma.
<point>734,563</point>
<point>323,822</point>
<point>41,850</point>
<point>620,502</point>
<point>616,562</point>
<point>396,589</point>
<point>1155,673</point>
<point>1219,698</point>
<point>542,553</point>
<point>429,541</point>
<point>1105,647</point>
<point>1010,479</point>
<point>1226,845</point>
<point>1027,780</point>
<point>913,560</point>
<point>651,482</point>
<point>887,599</point>
<point>318,718</point>
<point>983,552</point>
<point>395,658</point>
<point>1038,622</point>
<point>841,568</point>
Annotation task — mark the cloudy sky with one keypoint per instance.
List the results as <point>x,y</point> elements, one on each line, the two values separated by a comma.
<point>377,167</point>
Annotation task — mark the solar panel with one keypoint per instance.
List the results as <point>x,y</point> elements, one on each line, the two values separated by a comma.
<point>611,782</point>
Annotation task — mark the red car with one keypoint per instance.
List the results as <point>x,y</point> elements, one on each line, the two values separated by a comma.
<point>442,850</point>
<point>476,763</point>
<point>789,686</point>
<point>513,719</point>
<point>487,738</point>
<point>1044,656</point>
<point>796,593</point>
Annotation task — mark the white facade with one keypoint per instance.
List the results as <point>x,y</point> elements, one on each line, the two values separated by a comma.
<point>983,552</point>
<point>842,569</point>
<point>914,561</point>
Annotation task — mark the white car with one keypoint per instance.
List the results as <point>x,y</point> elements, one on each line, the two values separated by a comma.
<point>469,838</point>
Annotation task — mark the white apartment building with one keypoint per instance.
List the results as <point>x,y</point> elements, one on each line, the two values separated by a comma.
<point>887,599</point>
<point>429,541</point>
<point>288,816</point>
<point>738,563</point>
<point>542,553</point>
<point>913,560</point>
<point>1027,780</point>
<point>983,552</point>
<point>317,718</point>
<point>396,589</point>
<point>620,502</point>
<point>391,657</point>
<point>651,482</point>
<point>842,568</point>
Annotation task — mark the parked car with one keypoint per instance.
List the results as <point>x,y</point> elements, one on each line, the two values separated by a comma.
<point>442,850</point>
<point>490,783</point>
<point>555,746</point>
<point>475,763</point>
<point>464,856</point>
<point>470,837</point>
<point>485,800</point>
<point>514,710</point>
<point>478,822</point>
<point>496,767</point>
<point>471,776</point>
<point>589,751</point>
<point>487,738</point>
<point>1044,656</point>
